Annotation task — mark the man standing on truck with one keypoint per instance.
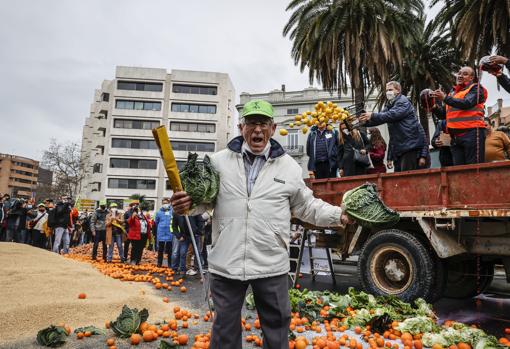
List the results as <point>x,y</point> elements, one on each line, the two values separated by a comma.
<point>261,188</point>
<point>465,109</point>
<point>407,148</point>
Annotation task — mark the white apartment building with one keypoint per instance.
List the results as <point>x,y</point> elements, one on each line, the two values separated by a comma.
<point>118,149</point>
<point>287,104</point>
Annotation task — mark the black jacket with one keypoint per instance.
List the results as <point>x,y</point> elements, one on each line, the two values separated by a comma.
<point>346,154</point>
<point>60,215</point>
<point>180,228</point>
<point>403,127</point>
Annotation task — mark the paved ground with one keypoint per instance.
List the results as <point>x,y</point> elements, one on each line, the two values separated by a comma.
<point>491,310</point>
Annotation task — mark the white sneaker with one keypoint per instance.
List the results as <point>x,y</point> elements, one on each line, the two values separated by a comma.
<point>191,272</point>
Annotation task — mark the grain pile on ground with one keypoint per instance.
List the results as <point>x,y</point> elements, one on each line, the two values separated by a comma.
<point>40,288</point>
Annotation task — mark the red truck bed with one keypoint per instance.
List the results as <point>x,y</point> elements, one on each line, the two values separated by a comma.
<point>468,187</point>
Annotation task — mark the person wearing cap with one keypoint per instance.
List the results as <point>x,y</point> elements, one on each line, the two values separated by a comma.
<point>503,80</point>
<point>261,188</point>
<point>465,109</point>
<point>115,232</point>
<point>38,234</point>
<point>98,228</point>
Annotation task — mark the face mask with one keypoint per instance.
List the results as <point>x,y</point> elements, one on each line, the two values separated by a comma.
<point>345,131</point>
<point>166,206</point>
<point>29,206</point>
<point>390,95</point>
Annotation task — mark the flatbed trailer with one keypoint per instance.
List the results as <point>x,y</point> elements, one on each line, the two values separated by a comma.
<point>454,227</point>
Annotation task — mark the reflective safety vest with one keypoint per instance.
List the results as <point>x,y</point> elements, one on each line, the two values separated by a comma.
<point>466,118</point>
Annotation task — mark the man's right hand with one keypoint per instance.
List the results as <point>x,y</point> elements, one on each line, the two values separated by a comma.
<point>390,164</point>
<point>439,143</point>
<point>181,202</point>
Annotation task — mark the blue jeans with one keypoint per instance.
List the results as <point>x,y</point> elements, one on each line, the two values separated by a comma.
<point>61,235</point>
<point>116,240</point>
<point>179,251</point>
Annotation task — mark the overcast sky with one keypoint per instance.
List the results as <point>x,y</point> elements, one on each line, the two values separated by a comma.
<point>54,53</point>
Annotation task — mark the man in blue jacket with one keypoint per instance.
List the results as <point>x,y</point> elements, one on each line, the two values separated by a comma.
<point>163,231</point>
<point>321,148</point>
<point>407,138</point>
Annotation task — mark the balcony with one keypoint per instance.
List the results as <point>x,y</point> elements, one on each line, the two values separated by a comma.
<point>294,150</point>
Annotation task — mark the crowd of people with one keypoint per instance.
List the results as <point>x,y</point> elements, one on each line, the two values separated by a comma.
<point>462,136</point>
<point>59,226</point>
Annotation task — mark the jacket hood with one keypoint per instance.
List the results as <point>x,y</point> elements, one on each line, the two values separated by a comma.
<point>276,150</point>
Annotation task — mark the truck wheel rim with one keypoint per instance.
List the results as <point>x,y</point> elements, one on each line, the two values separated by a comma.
<point>391,269</point>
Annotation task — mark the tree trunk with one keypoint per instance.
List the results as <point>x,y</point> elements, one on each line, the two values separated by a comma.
<point>359,99</point>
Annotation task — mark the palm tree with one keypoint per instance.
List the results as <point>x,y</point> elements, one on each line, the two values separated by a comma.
<point>144,205</point>
<point>356,41</point>
<point>428,63</point>
<point>478,26</point>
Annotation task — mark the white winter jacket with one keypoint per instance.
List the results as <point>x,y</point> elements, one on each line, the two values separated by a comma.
<point>250,234</point>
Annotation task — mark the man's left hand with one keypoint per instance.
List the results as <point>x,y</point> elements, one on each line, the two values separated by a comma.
<point>422,162</point>
<point>365,117</point>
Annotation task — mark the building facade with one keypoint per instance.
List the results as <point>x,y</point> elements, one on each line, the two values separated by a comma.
<point>288,104</point>
<point>18,176</point>
<point>119,155</point>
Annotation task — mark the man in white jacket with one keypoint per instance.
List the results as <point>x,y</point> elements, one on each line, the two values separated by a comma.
<point>260,189</point>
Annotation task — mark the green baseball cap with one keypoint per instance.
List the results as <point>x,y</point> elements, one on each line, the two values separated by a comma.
<point>113,204</point>
<point>257,107</point>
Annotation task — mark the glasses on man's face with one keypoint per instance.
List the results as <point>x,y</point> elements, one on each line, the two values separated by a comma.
<point>255,123</point>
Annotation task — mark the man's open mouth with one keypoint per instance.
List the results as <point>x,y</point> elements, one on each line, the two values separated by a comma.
<point>257,139</point>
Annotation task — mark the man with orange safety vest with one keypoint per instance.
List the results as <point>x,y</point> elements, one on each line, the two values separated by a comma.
<point>465,109</point>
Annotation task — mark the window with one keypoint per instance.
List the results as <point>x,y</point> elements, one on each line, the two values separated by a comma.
<point>195,89</point>
<point>133,163</point>
<point>23,164</point>
<point>292,111</point>
<point>140,86</point>
<point>193,146</point>
<point>137,105</point>
<point>21,180</point>
<point>131,183</point>
<point>105,97</point>
<point>24,173</point>
<point>135,124</point>
<point>97,168</point>
<point>133,143</point>
<point>192,127</point>
<point>292,139</point>
<point>193,108</point>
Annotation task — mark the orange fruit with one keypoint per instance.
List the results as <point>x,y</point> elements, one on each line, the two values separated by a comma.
<point>148,336</point>
<point>417,344</point>
<point>182,339</point>
<point>79,335</point>
<point>437,346</point>
<point>300,344</point>
<point>82,296</point>
<point>87,334</point>
<point>462,345</point>
<point>183,289</point>
<point>135,339</point>
<point>110,342</point>
<point>165,299</point>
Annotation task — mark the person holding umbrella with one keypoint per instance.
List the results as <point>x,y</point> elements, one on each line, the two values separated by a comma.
<point>261,188</point>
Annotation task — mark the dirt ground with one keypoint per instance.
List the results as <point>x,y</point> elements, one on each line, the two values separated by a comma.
<point>40,288</point>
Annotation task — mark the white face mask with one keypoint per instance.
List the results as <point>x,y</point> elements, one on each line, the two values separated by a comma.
<point>166,206</point>
<point>345,131</point>
<point>390,95</point>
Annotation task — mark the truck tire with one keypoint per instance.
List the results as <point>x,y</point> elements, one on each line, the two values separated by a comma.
<point>440,279</point>
<point>463,279</point>
<point>394,262</point>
